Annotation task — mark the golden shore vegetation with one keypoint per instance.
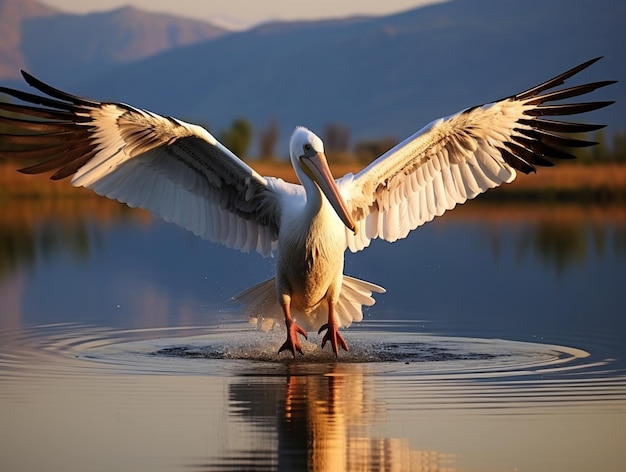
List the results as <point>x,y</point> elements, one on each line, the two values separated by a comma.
<point>565,180</point>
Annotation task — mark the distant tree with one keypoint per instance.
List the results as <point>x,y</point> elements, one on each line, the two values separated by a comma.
<point>597,154</point>
<point>368,150</point>
<point>238,137</point>
<point>600,152</point>
<point>619,146</point>
<point>584,155</point>
<point>6,128</point>
<point>268,140</point>
<point>336,141</point>
<point>336,138</point>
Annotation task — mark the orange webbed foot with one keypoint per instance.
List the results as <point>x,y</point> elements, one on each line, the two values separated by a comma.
<point>332,335</point>
<point>292,344</point>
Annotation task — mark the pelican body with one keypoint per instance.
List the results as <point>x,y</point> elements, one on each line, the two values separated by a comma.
<point>181,173</point>
<point>312,243</point>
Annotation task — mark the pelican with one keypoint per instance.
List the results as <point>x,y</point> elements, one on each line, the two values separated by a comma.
<point>179,172</point>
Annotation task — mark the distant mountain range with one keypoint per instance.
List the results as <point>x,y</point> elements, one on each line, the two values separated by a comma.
<point>58,44</point>
<point>381,76</point>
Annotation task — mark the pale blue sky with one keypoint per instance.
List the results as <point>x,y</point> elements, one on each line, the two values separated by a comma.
<point>246,12</point>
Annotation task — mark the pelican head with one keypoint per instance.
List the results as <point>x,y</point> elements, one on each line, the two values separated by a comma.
<point>306,151</point>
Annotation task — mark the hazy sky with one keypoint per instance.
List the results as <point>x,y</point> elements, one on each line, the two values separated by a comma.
<point>245,11</point>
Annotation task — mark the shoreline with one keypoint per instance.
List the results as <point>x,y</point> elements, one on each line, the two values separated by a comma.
<point>602,182</point>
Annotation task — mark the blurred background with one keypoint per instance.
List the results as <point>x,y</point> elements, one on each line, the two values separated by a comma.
<point>534,270</point>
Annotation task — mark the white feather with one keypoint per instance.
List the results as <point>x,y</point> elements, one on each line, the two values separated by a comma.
<point>446,163</point>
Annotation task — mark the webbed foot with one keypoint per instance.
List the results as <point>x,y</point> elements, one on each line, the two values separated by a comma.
<point>332,335</point>
<point>292,344</point>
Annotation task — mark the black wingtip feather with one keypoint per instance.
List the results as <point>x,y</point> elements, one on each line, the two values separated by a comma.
<point>529,151</point>
<point>560,126</point>
<point>56,93</point>
<point>570,92</point>
<point>567,108</point>
<point>33,125</point>
<point>516,162</point>
<point>554,139</point>
<point>558,80</point>
<point>44,113</point>
<point>37,99</point>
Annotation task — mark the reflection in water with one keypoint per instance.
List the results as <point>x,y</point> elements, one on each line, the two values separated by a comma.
<point>556,245</point>
<point>32,230</point>
<point>22,247</point>
<point>572,243</point>
<point>321,417</point>
<point>81,284</point>
<point>89,398</point>
<point>558,236</point>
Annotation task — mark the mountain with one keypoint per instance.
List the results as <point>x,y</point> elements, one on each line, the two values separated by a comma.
<point>12,15</point>
<point>380,76</point>
<point>47,41</point>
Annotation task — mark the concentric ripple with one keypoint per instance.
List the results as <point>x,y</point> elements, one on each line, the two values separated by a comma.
<point>236,348</point>
<point>407,367</point>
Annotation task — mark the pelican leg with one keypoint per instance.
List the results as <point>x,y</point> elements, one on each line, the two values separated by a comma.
<point>291,344</point>
<point>332,331</point>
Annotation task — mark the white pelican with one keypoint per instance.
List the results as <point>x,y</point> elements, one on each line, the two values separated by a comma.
<point>181,173</point>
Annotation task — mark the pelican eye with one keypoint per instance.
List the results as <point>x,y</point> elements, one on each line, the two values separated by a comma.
<point>308,151</point>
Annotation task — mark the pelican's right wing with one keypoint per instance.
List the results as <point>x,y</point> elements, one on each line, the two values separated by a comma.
<point>456,158</point>
<point>175,170</point>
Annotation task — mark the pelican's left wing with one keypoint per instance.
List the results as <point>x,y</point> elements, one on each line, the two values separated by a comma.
<point>456,158</point>
<point>176,170</point>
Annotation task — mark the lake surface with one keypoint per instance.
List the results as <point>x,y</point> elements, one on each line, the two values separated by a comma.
<point>500,345</point>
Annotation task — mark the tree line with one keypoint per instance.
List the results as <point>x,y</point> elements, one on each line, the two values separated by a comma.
<point>240,137</point>
<point>337,138</point>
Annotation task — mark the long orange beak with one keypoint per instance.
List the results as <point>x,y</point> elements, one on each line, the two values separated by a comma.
<point>317,167</point>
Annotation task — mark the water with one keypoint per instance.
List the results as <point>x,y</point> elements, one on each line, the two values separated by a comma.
<point>499,346</point>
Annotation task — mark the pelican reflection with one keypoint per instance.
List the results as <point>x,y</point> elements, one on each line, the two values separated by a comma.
<point>320,417</point>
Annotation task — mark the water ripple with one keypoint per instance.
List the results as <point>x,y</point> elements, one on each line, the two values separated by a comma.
<point>428,371</point>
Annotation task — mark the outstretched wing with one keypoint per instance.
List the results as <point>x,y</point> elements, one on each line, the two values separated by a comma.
<point>456,158</point>
<point>176,170</point>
